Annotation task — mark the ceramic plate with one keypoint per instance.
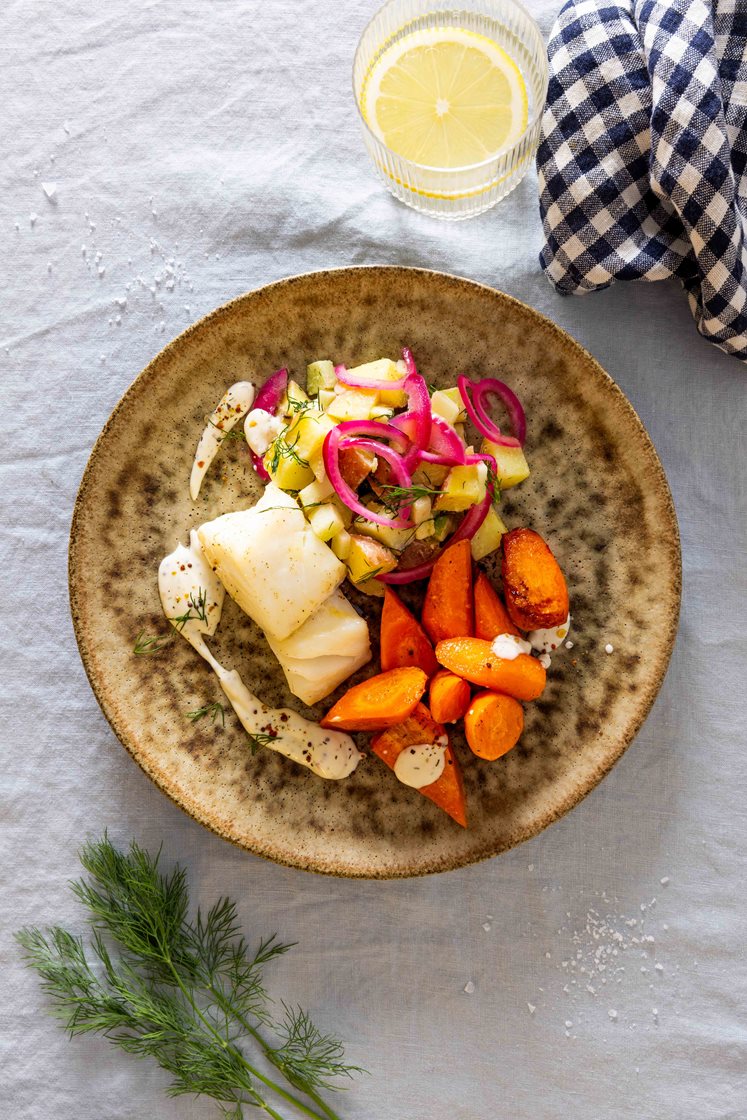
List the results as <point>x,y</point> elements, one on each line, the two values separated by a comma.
<point>597,492</point>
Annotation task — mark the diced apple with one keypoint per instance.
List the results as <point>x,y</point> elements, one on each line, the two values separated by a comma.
<point>464,487</point>
<point>325,521</point>
<point>511,464</point>
<point>488,536</point>
<point>368,557</point>
<point>319,375</point>
<point>353,404</point>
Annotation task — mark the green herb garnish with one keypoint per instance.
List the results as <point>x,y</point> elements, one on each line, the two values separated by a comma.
<point>260,739</point>
<point>187,992</point>
<point>398,496</point>
<point>196,611</point>
<point>281,449</point>
<point>213,710</point>
<point>144,644</point>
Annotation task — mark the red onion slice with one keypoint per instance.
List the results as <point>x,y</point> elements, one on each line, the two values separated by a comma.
<point>268,398</point>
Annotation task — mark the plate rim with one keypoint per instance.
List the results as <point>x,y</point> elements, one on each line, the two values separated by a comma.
<point>549,818</point>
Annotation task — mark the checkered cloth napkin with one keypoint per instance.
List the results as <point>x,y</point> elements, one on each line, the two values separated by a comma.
<point>643,156</point>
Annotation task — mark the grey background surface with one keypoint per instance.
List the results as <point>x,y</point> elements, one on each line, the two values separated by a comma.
<point>199,150</point>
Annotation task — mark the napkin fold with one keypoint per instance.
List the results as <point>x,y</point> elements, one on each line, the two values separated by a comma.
<point>643,153</point>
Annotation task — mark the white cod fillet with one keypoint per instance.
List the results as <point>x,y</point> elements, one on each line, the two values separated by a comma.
<point>271,563</point>
<point>324,651</point>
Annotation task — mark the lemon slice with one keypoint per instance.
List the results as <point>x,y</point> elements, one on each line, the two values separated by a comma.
<point>445,97</point>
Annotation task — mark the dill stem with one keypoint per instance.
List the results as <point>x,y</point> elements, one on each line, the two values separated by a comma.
<point>278,1089</point>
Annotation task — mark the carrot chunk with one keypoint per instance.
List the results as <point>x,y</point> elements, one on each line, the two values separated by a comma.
<point>491,617</point>
<point>472,658</point>
<point>493,724</point>
<point>447,791</point>
<point>535,590</point>
<point>448,610</point>
<point>449,697</point>
<point>403,639</point>
<point>378,702</point>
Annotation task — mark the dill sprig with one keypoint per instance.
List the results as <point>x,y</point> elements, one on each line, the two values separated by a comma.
<point>259,739</point>
<point>397,496</point>
<point>196,610</point>
<point>215,711</point>
<point>188,993</point>
<point>281,449</point>
<point>145,644</point>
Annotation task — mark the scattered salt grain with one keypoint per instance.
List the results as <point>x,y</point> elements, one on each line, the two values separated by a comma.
<point>50,190</point>
<point>469,987</point>
<point>568,1024</point>
<point>612,1014</point>
<point>609,648</point>
<point>486,926</point>
<point>659,967</point>
<point>664,881</point>
<point>569,645</point>
<point>532,1008</point>
<point>101,270</point>
<point>33,217</point>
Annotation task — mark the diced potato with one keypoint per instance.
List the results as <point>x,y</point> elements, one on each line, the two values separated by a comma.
<point>317,491</point>
<point>319,375</point>
<point>463,488</point>
<point>294,396</point>
<point>325,398</point>
<point>512,467</point>
<point>448,404</point>
<point>346,514</point>
<point>430,475</point>
<point>310,431</point>
<point>384,370</point>
<point>443,526</point>
<point>340,544</point>
<point>488,536</point>
<point>325,520</point>
<point>393,538</point>
<point>373,587</point>
<point>356,463</point>
<point>381,412</point>
<point>286,468</point>
<point>353,404</point>
<point>368,557</point>
<point>421,510</point>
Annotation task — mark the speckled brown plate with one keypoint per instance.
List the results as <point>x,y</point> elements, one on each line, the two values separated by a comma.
<point>597,492</point>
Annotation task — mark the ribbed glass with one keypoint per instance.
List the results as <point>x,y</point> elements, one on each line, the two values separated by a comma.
<point>462,192</point>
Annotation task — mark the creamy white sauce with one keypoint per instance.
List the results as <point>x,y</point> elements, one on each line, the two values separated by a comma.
<point>422,763</point>
<point>508,646</point>
<point>547,641</point>
<point>188,586</point>
<point>261,428</point>
<point>234,404</point>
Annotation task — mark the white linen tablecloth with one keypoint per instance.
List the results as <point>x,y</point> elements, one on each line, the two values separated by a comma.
<point>198,150</point>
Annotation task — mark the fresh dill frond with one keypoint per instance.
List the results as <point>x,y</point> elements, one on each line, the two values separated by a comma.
<point>196,611</point>
<point>188,993</point>
<point>281,449</point>
<point>215,711</point>
<point>397,496</point>
<point>260,739</point>
<point>144,644</point>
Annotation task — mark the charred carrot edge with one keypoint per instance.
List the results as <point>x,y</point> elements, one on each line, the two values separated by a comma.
<point>533,584</point>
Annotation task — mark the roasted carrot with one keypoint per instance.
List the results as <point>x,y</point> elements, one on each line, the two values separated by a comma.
<point>403,639</point>
<point>533,584</point>
<point>492,724</point>
<point>449,697</point>
<point>473,659</point>
<point>378,702</point>
<point>448,610</point>
<point>447,792</point>
<point>491,617</point>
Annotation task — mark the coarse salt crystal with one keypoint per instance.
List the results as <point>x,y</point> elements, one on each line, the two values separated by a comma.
<point>612,1014</point>
<point>609,648</point>
<point>50,190</point>
<point>532,1008</point>
<point>486,926</point>
<point>469,987</point>
<point>569,645</point>
<point>568,1024</point>
<point>33,217</point>
<point>664,881</point>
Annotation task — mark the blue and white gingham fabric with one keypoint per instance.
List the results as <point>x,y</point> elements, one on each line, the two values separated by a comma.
<point>643,155</point>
